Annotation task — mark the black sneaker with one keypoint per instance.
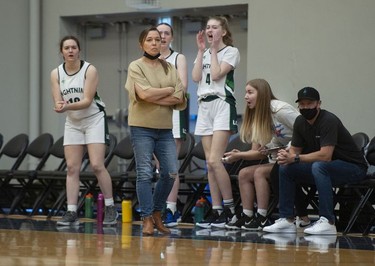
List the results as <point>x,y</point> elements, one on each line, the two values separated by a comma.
<point>238,223</point>
<point>224,218</point>
<point>257,223</point>
<point>206,223</point>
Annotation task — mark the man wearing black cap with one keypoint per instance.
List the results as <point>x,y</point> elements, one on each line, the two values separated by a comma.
<point>322,153</point>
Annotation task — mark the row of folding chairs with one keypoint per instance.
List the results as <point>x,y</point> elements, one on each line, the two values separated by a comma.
<point>123,179</point>
<point>19,155</point>
<point>41,190</point>
<point>25,185</point>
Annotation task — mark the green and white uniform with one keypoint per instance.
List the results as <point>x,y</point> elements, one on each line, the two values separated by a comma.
<point>87,125</point>
<point>216,101</point>
<point>179,118</point>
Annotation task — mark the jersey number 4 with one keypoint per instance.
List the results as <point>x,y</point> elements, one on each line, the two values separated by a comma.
<point>208,79</point>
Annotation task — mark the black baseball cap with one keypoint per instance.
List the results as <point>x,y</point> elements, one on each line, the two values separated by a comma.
<point>308,93</point>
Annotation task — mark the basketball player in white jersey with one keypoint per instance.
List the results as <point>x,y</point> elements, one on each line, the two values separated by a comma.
<point>74,91</point>
<point>217,117</point>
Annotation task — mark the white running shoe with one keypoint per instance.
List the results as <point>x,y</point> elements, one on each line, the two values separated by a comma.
<point>281,225</point>
<point>321,227</point>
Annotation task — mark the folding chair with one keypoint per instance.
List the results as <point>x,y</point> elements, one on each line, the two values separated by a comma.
<point>123,187</point>
<point>47,185</point>
<point>14,149</point>
<point>365,191</point>
<point>185,152</point>
<point>13,153</point>
<point>38,149</point>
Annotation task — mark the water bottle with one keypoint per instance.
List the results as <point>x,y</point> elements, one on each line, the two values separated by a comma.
<point>199,210</point>
<point>99,208</point>
<point>127,211</point>
<point>89,206</point>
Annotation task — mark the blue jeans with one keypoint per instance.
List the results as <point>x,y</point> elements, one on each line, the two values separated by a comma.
<point>145,142</point>
<point>324,175</point>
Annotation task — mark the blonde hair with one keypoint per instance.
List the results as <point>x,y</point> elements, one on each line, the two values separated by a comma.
<point>257,125</point>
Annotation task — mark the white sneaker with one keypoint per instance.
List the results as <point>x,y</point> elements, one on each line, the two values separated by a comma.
<point>321,227</point>
<point>321,243</point>
<point>281,225</point>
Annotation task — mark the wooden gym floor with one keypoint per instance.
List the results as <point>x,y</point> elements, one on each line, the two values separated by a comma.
<point>37,241</point>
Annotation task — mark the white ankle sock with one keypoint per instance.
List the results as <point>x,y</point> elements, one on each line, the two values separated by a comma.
<point>172,206</point>
<point>72,208</point>
<point>249,213</point>
<point>109,202</point>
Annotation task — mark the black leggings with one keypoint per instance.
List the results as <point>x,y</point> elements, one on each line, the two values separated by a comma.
<point>300,201</point>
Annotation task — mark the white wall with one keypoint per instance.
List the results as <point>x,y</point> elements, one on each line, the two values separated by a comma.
<point>328,44</point>
<point>14,68</point>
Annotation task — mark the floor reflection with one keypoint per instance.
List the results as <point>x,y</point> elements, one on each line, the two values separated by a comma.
<point>39,242</point>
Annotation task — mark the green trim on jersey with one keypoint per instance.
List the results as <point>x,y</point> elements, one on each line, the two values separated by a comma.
<point>183,123</point>
<point>233,123</point>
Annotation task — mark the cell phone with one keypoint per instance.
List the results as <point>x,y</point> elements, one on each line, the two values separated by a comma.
<point>275,148</point>
<point>225,159</point>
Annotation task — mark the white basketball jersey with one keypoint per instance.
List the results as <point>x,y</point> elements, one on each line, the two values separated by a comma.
<point>72,88</point>
<point>225,86</point>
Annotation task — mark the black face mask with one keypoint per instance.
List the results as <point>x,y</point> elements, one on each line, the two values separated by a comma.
<point>309,114</point>
<point>151,57</point>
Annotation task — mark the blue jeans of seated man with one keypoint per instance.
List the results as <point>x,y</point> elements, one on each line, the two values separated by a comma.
<point>324,175</point>
<point>146,142</point>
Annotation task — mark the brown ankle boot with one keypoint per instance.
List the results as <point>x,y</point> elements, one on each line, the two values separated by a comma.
<point>148,226</point>
<point>159,223</point>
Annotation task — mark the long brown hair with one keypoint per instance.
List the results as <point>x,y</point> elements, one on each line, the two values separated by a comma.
<point>227,38</point>
<point>142,38</point>
<point>257,125</point>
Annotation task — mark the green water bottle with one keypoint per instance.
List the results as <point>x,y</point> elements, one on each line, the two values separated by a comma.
<point>200,210</point>
<point>89,200</point>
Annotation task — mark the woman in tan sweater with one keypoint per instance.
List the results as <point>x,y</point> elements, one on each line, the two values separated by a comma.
<point>154,91</point>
